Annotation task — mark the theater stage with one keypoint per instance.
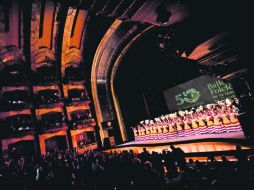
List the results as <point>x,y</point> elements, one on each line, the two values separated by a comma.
<point>194,146</point>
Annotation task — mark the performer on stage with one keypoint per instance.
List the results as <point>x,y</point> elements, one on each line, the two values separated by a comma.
<point>171,125</point>
<point>141,132</point>
<point>152,130</point>
<point>162,128</point>
<point>172,131</point>
<point>225,118</point>
<point>218,125</point>
<point>209,118</point>
<point>135,132</point>
<point>234,123</point>
<point>201,118</point>
<point>179,124</point>
<point>147,130</point>
<point>158,127</point>
<point>212,118</point>
<point>194,122</point>
<point>187,129</point>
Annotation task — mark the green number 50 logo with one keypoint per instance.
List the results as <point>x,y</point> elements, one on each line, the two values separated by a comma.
<point>189,96</point>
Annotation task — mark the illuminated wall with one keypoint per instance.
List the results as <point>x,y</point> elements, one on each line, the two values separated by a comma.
<point>46,63</point>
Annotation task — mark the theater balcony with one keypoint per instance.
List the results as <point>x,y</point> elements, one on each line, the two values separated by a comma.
<point>17,125</point>
<point>48,98</point>
<point>81,119</point>
<point>14,73</point>
<point>46,74</point>
<point>52,122</point>
<point>77,95</point>
<point>15,100</point>
<point>85,139</point>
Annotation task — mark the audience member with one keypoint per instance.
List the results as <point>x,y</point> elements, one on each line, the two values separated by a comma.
<point>96,170</point>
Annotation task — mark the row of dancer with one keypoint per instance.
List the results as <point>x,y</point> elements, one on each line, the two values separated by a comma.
<point>220,117</point>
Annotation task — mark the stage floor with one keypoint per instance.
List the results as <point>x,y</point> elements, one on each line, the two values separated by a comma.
<point>220,137</point>
<point>200,144</point>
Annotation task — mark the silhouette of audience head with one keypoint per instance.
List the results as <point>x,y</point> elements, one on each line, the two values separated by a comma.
<point>96,170</point>
<point>172,147</point>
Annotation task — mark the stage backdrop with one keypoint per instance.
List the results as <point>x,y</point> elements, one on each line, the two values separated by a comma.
<point>199,91</point>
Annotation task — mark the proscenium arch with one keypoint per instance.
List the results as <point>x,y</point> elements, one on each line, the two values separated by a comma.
<point>118,36</point>
<point>113,74</point>
<point>94,71</point>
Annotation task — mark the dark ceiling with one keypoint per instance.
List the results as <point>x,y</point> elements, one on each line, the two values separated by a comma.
<point>212,40</point>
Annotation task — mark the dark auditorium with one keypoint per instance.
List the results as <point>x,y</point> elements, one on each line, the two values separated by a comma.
<point>126,95</point>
